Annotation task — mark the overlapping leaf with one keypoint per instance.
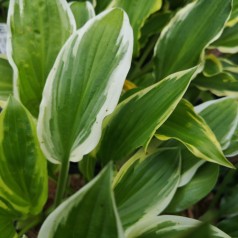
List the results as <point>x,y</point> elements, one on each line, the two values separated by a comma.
<point>138,11</point>
<point>6,79</point>
<point>201,184</point>
<point>145,185</point>
<point>184,124</point>
<point>84,86</point>
<point>189,32</point>
<point>167,227</point>
<point>39,29</point>
<point>83,11</point>
<point>136,119</point>
<point>221,115</point>
<point>90,213</point>
<point>23,172</point>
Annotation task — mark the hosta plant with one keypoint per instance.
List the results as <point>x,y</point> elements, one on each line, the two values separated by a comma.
<point>140,97</point>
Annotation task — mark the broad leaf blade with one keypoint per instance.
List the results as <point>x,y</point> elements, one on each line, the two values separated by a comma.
<point>167,227</point>
<point>189,128</point>
<point>6,79</point>
<point>136,119</point>
<point>138,11</point>
<point>90,213</point>
<point>189,32</point>
<point>83,11</point>
<point>146,184</point>
<point>23,172</point>
<point>39,29</point>
<point>201,184</point>
<point>84,86</point>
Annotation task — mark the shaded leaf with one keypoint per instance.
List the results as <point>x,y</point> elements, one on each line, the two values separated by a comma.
<point>200,185</point>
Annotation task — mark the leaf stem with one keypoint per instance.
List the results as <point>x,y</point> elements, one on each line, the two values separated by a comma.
<point>62,182</point>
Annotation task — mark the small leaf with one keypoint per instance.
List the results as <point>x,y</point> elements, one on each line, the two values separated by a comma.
<point>6,79</point>
<point>89,213</point>
<point>212,66</point>
<point>23,172</point>
<point>84,86</point>
<point>136,119</point>
<point>167,227</point>
<point>145,185</point>
<point>183,125</point>
<point>83,11</point>
<point>201,184</point>
<point>38,30</point>
<point>138,11</point>
<point>187,32</point>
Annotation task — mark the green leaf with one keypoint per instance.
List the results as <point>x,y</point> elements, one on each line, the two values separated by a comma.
<point>183,125</point>
<point>201,184</point>
<point>101,5</point>
<point>138,11</point>
<point>230,226</point>
<point>223,84</point>
<point>227,42</point>
<point>38,30</point>
<point>229,205</point>
<point>89,213</point>
<point>187,32</point>
<point>167,227</point>
<point>222,124</point>
<point>7,229</point>
<point>145,185</point>
<point>190,165</point>
<point>83,11</point>
<point>212,66</point>
<point>6,79</point>
<point>154,25</point>
<point>136,119</point>
<point>232,150</point>
<point>23,173</point>
<point>84,86</point>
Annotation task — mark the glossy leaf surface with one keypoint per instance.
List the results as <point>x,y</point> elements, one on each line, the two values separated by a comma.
<point>89,213</point>
<point>23,172</point>
<point>84,86</point>
<point>187,32</point>
<point>34,45</point>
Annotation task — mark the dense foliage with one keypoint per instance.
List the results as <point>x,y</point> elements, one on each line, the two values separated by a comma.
<point>128,108</point>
